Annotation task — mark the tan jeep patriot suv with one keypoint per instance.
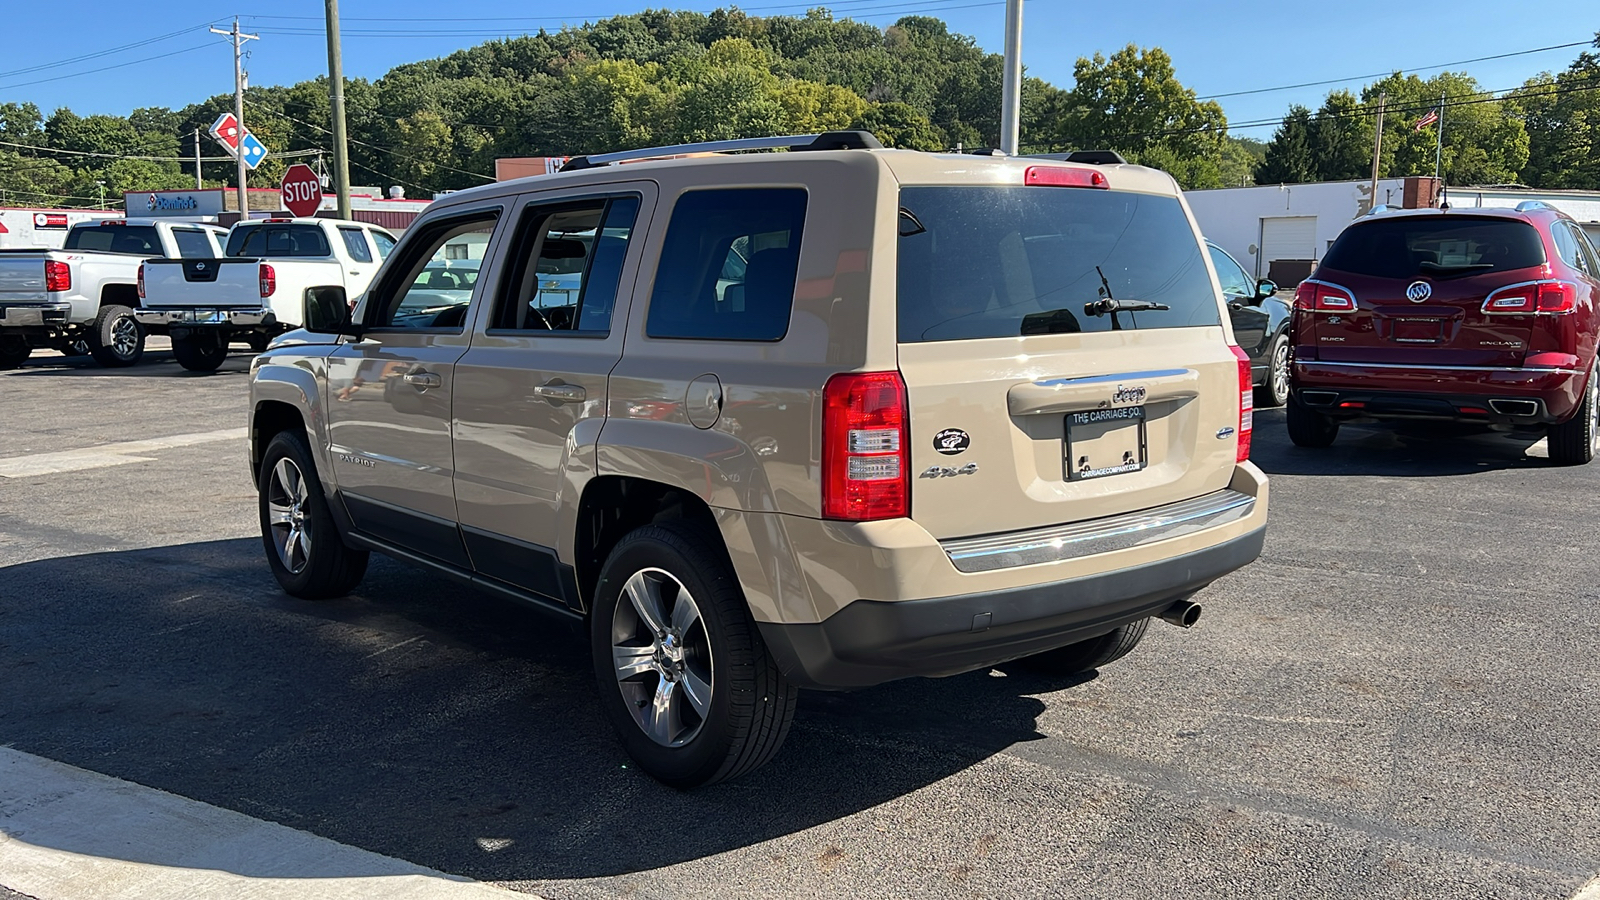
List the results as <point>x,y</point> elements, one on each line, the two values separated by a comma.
<point>820,418</point>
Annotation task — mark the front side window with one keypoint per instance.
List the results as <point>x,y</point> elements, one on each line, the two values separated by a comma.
<point>1439,246</point>
<point>728,265</point>
<point>568,262</point>
<point>1232,278</point>
<point>428,289</point>
<point>193,244</point>
<point>278,240</point>
<point>990,262</point>
<point>133,239</point>
<point>355,242</point>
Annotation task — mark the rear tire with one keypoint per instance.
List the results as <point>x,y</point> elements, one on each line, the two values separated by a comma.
<point>303,546</point>
<point>258,340</point>
<point>683,673</point>
<point>1084,656</point>
<point>1309,428</point>
<point>14,351</point>
<point>116,338</point>
<point>1274,391</point>
<point>200,353</point>
<point>1575,441</point>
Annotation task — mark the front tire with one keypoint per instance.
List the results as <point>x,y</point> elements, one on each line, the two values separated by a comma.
<point>1309,428</point>
<point>1275,390</point>
<point>200,353</point>
<point>303,545</point>
<point>116,338</point>
<point>683,674</point>
<point>1575,441</point>
<point>1084,656</point>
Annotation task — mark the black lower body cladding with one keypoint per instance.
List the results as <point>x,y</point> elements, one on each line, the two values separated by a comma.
<point>870,642</point>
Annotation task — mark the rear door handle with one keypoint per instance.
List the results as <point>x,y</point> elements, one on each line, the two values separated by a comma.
<point>423,380</point>
<point>561,393</point>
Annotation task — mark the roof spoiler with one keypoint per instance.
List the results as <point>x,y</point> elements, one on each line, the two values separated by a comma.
<point>1086,157</point>
<point>827,140</point>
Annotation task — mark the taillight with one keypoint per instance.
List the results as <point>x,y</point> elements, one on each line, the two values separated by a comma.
<point>866,457</point>
<point>1320,296</point>
<point>57,276</point>
<point>269,280</point>
<point>1061,176</point>
<point>1247,405</point>
<point>1533,297</point>
<point>141,281</point>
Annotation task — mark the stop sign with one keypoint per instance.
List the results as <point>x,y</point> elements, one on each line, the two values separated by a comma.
<point>302,190</point>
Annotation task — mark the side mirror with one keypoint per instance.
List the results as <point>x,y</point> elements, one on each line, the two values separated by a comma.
<point>1265,289</point>
<point>328,313</point>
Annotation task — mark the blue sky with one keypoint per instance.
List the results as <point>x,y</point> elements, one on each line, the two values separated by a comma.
<point>1217,48</point>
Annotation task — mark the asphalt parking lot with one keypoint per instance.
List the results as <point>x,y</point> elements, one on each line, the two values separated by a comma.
<point>1398,700</point>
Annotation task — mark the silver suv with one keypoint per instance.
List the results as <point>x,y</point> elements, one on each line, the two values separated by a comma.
<point>762,421</point>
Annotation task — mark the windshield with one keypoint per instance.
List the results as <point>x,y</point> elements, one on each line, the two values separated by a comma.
<point>1440,245</point>
<point>139,239</point>
<point>278,240</point>
<point>985,262</point>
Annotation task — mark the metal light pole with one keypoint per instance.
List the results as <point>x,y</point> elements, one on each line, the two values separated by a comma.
<point>341,148</point>
<point>1377,150</point>
<point>1011,85</point>
<point>199,184</point>
<point>238,110</point>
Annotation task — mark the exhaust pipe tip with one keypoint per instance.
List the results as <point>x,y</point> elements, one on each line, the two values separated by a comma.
<point>1182,614</point>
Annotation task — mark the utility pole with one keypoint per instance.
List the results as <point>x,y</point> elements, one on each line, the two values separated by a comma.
<point>199,184</point>
<point>1011,84</point>
<point>341,149</point>
<point>1438,156</point>
<point>1377,150</point>
<point>238,110</point>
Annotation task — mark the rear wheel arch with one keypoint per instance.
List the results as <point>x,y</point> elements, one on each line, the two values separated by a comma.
<point>614,505</point>
<point>119,295</point>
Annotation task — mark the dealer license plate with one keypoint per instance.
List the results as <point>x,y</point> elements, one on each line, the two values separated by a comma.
<point>1101,442</point>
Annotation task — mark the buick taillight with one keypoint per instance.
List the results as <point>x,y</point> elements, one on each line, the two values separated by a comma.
<point>1247,405</point>
<point>1533,297</point>
<point>141,281</point>
<point>269,280</point>
<point>866,457</point>
<point>57,276</point>
<point>1320,296</point>
<point>1061,176</point>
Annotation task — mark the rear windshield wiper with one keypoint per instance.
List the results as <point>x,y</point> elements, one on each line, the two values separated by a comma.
<point>1113,305</point>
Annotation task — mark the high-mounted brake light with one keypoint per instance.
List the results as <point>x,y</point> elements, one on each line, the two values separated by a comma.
<point>1320,296</point>
<point>57,275</point>
<point>1533,297</point>
<point>269,280</point>
<point>141,281</point>
<point>1247,405</point>
<point>866,454</point>
<point>1061,176</point>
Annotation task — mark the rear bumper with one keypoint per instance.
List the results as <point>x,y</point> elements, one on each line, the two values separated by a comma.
<point>869,642</point>
<point>1510,396</point>
<point>35,315</point>
<point>202,317</point>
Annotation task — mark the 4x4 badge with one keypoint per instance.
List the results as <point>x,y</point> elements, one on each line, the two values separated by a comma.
<point>951,441</point>
<point>1418,291</point>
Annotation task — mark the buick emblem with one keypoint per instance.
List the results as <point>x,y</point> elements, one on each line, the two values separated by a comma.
<point>1418,291</point>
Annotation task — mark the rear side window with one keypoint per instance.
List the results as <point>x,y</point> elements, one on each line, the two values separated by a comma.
<point>356,243</point>
<point>988,262</point>
<point>567,265</point>
<point>193,244</point>
<point>728,265</point>
<point>385,244</point>
<point>140,239</point>
<point>1439,246</point>
<point>278,240</point>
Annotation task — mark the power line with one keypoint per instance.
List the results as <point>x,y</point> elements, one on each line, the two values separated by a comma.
<point>598,16</point>
<point>101,53</point>
<point>185,159</point>
<point>109,68</point>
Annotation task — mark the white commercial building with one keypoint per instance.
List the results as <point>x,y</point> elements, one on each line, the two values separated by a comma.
<point>40,227</point>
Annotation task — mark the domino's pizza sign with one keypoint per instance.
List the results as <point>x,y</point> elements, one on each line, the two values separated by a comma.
<point>174,203</point>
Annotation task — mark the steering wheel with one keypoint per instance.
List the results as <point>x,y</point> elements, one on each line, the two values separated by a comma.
<point>534,315</point>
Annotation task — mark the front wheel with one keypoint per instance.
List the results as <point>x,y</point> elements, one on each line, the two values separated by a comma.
<point>1576,441</point>
<point>1309,428</point>
<point>1275,390</point>
<point>303,546</point>
<point>1087,655</point>
<point>115,338</point>
<point>683,674</point>
<point>202,352</point>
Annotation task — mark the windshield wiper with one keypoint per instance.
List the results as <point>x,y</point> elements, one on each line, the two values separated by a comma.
<point>1113,305</point>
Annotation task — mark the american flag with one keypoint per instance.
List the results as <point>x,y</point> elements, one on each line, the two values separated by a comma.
<point>1425,121</point>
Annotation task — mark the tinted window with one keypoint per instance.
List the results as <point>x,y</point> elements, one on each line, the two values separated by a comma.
<point>427,289</point>
<point>140,239</point>
<point>356,243</point>
<point>1232,278</point>
<point>278,240</point>
<point>193,244</point>
<point>385,244</point>
<point>728,265</point>
<point>1586,250</point>
<point>567,265</point>
<point>986,262</point>
<point>1440,246</point>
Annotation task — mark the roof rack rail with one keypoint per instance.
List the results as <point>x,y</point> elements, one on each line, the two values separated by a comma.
<point>1087,157</point>
<point>828,140</point>
<point>1380,208</point>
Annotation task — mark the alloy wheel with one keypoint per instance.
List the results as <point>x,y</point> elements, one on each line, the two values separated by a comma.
<point>287,515</point>
<point>1280,374</point>
<point>125,337</point>
<point>661,655</point>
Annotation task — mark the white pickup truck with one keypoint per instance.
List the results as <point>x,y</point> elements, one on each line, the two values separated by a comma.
<point>86,293</point>
<point>274,276</point>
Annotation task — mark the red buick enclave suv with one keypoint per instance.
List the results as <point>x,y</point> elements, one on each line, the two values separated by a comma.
<point>1472,316</point>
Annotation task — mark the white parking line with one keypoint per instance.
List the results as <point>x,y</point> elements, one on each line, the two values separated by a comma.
<point>70,834</point>
<point>1590,891</point>
<point>104,455</point>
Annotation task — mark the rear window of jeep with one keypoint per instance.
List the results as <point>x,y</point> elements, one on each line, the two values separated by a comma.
<point>988,262</point>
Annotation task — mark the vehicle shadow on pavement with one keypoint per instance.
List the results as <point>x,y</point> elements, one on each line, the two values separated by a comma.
<point>1404,452</point>
<point>154,364</point>
<point>425,721</point>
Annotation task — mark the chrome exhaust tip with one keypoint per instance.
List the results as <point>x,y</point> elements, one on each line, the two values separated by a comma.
<point>1515,407</point>
<point>1182,614</point>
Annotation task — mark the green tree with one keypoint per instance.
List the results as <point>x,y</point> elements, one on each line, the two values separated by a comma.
<point>900,125</point>
<point>1288,158</point>
<point>1561,114</point>
<point>1483,143</point>
<point>1340,139</point>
